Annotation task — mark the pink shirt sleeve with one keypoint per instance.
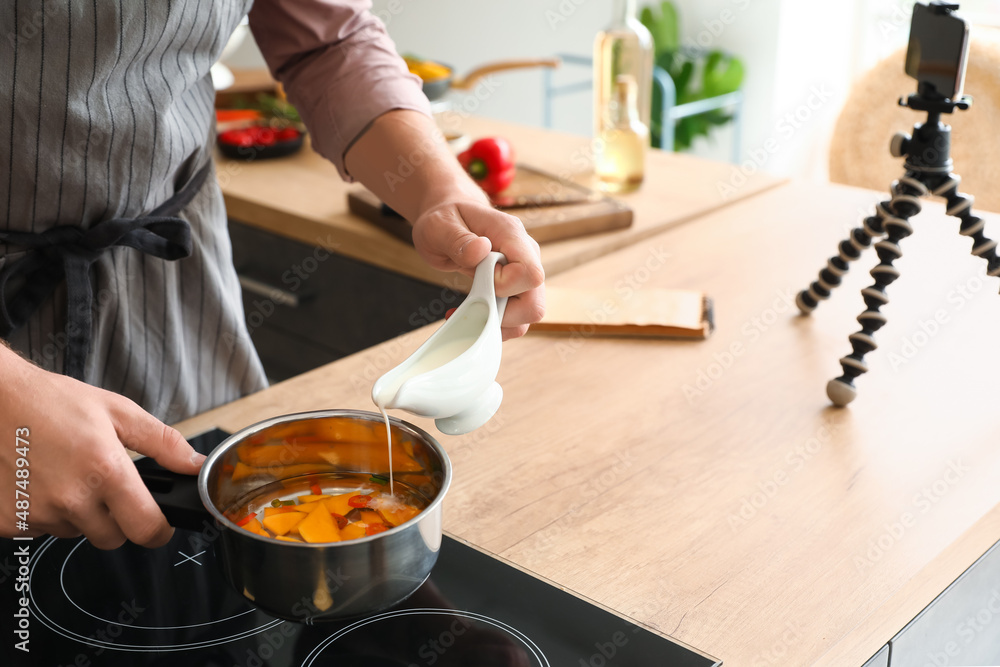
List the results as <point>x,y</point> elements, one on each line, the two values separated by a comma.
<point>338,66</point>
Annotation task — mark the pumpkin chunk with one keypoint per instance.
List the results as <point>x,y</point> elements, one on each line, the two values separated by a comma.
<point>279,524</point>
<point>352,531</point>
<point>271,511</point>
<point>338,504</point>
<point>397,515</point>
<point>307,507</point>
<point>254,527</point>
<point>319,526</point>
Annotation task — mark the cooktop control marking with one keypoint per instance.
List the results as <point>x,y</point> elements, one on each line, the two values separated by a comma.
<point>188,558</point>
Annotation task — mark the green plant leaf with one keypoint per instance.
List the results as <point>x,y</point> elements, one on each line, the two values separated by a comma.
<point>682,135</point>
<point>665,61</point>
<point>683,80</point>
<point>663,26</point>
<point>714,73</point>
<point>722,74</point>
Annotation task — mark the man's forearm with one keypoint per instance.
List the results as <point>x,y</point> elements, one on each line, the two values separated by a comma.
<point>403,159</point>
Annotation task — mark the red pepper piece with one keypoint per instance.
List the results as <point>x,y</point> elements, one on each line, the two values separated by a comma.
<point>315,489</point>
<point>263,136</point>
<point>490,162</point>
<point>375,528</point>
<point>237,138</point>
<point>340,519</point>
<point>359,501</point>
<point>230,115</point>
<point>245,520</point>
<point>287,134</point>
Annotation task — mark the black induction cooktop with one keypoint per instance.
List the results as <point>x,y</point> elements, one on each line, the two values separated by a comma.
<point>169,606</point>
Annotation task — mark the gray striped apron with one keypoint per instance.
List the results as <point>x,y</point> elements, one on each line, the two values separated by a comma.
<point>106,118</point>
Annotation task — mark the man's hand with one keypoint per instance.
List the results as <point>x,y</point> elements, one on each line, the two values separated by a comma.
<point>454,226</point>
<point>456,236</point>
<point>81,480</point>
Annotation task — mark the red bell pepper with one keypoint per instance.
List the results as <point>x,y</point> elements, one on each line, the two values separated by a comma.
<point>490,162</point>
<point>359,501</point>
<point>245,520</point>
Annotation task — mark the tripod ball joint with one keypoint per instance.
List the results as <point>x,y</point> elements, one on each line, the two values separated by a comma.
<point>899,144</point>
<point>840,392</point>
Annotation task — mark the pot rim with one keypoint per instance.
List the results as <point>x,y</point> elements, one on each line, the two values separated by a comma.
<point>246,432</point>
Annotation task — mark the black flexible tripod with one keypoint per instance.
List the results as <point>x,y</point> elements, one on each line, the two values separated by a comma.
<point>928,172</point>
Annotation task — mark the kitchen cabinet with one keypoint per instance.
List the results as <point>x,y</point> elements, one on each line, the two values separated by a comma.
<point>306,306</point>
<point>961,626</point>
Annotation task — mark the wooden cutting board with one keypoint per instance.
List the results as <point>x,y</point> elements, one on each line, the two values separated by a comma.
<point>582,212</point>
<point>651,312</point>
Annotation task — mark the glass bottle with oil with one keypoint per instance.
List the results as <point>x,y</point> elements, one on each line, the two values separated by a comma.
<point>620,149</point>
<point>623,79</point>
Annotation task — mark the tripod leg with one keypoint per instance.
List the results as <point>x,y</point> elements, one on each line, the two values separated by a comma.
<point>905,203</point>
<point>849,250</point>
<point>960,206</point>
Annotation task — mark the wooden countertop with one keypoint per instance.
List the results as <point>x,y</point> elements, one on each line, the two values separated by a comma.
<point>303,197</point>
<point>745,520</point>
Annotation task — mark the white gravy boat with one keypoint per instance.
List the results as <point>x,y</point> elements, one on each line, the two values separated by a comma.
<point>451,378</point>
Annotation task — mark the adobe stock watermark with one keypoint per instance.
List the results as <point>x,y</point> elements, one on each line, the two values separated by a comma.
<point>47,355</point>
<point>605,650</point>
<point>434,648</point>
<point>31,23</point>
<point>712,29</point>
<point>751,331</point>
<point>562,12</point>
<point>436,308</point>
<point>968,631</point>
<point>786,127</point>
<point>590,490</point>
<point>897,18</point>
<point>293,279</point>
<point>450,120</point>
<point>271,641</point>
<point>478,437</point>
<point>777,652</point>
<point>227,170</point>
<point>387,14</point>
<point>128,615</point>
<point>794,461</point>
<point>396,349</point>
<point>928,328</point>
<point>624,289</point>
<point>921,503</point>
<point>387,356</point>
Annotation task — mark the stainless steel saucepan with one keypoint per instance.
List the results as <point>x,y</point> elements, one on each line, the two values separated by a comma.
<point>284,456</point>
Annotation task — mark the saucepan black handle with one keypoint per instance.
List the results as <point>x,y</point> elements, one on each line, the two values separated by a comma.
<point>176,494</point>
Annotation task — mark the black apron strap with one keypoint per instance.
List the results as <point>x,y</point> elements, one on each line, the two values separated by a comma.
<point>68,252</point>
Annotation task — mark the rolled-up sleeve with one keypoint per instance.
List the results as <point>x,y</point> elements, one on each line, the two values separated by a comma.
<point>338,66</point>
